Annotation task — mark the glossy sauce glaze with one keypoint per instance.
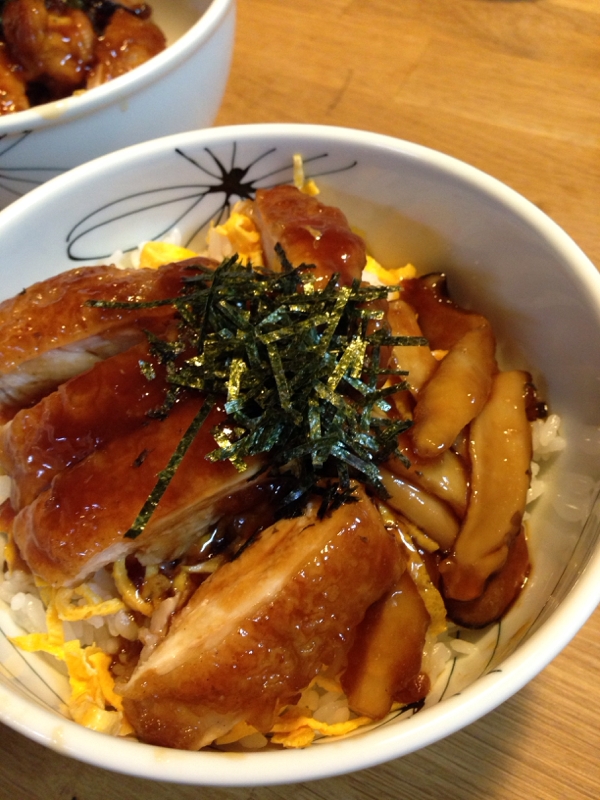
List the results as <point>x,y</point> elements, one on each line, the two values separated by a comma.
<point>75,526</point>
<point>111,399</point>
<point>309,232</point>
<point>50,332</point>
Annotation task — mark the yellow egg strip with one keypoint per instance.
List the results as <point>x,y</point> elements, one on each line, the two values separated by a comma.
<point>299,731</point>
<point>128,591</point>
<point>238,235</point>
<point>433,600</point>
<point>389,277</point>
<point>156,254</point>
<point>68,608</point>
<point>306,186</point>
<point>239,731</point>
<point>90,681</point>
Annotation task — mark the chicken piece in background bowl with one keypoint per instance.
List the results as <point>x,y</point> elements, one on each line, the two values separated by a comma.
<point>90,96</point>
<point>502,258</point>
<point>54,49</point>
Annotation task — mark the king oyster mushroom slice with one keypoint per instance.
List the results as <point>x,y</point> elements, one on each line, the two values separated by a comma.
<point>384,662</point>
<point>500,590</point>
<point>427,511</point>
<point>444,476</point>
<point>455,394</point>
<point>500,448</point>
<point>417,360</point>
<point>459,388</point>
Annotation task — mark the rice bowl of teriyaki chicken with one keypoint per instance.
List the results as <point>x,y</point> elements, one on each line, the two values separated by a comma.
<point>280,453</point>
<point>81,78</point>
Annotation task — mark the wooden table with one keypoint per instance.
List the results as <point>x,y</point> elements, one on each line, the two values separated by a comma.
<point>513,87</point>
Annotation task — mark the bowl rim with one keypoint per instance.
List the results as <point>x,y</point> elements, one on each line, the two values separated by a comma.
<point>117,90</point>
<point>385,743</point>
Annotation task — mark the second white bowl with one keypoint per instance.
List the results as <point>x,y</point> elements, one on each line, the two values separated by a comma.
<point>178,90</point>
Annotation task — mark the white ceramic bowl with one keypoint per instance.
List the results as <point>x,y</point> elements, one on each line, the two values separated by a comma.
<point>178,90</point>
<point>502,255</point>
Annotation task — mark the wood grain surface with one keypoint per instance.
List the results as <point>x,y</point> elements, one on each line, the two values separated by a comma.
<point>513,87</point>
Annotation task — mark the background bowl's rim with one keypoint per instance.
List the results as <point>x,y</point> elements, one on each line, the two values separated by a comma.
<point>117,90</point>
<point>388,742</point>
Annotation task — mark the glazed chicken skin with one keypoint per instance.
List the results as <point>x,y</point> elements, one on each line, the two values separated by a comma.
<point>128,42</point>
<point>258,630</point>
<point>75,527</point>
<point>13,86</point>
<point>111,399</point>
<point>53,45</point>
<point>48,333</point>
<point>309,232</point>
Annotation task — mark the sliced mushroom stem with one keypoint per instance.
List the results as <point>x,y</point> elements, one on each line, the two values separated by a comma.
<point>386,656</point>
<point>418,361</point>
<point>430,513</point>
<point>444,476</point>
<point>500,448</point>
<point>455,394</point>
<point>500,592</point>
<point>442,321</point>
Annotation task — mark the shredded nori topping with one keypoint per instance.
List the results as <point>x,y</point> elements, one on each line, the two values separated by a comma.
<point>298,366</point>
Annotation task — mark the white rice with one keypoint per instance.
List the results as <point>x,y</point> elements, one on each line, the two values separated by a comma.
<point>26,607</point>
<point>546,437</point>
<point>546,442</point>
